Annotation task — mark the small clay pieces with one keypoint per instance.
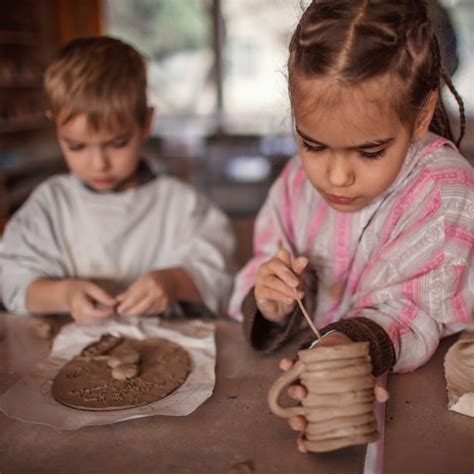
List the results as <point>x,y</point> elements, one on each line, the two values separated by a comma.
<point>106,343</point>
<point>125,371</point>
<point>41,328</point>
<point>118,373</point>
<point>459,368</point>
<point>339,406</point>
<point>123,357</point>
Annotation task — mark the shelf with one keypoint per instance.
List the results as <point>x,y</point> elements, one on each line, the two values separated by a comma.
<point>30,166</point>
<point>21,38</point>
<point>33,172</point>
<point>21,84</point>
<point>23,126</point>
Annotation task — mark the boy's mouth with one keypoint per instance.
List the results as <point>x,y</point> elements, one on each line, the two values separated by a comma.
<point>102,181</point>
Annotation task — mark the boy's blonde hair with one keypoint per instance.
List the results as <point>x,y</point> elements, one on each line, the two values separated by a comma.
<point>101,77</point>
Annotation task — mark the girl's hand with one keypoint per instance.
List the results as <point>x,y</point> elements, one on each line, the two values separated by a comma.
<point>87,302</point>
<point>275,284</point>
<point>298,392</point>
<point>151,294</point>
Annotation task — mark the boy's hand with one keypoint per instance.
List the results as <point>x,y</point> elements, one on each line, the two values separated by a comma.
<point>150,294</point>
<point>87,302</point>
<point>298,392</point>
<point>275,284</point>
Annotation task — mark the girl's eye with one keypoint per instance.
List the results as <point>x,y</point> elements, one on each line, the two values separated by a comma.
<point>74,147</point>
<point>372,155</point>
<point>312,148</point>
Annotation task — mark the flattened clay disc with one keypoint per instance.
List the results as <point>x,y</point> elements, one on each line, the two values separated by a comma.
<point>86,382</point>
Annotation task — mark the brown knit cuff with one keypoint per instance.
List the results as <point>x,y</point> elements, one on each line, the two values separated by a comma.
<point>264,335</point>
<point>381,351</point>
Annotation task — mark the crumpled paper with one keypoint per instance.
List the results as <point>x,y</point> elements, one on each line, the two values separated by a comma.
<point>459,372</point>
<point>30,398</point>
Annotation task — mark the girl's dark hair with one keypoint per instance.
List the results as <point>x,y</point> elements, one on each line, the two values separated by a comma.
<point>356,40</point>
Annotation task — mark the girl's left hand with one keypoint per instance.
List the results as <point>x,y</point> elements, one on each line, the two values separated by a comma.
<point>298,392</point>
<point>150,294</point>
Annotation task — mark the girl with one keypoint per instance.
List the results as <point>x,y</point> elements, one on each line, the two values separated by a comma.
<point>373,221</point>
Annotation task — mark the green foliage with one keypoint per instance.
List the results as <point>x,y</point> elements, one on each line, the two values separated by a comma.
<point>160,27</point>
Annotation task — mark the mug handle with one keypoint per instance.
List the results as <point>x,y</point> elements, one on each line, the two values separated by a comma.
<point>284,380</point>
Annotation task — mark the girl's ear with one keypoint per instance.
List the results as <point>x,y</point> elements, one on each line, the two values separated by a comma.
<point>424,117</point>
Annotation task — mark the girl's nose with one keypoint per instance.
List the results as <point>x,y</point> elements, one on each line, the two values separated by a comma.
<point>340,172</point>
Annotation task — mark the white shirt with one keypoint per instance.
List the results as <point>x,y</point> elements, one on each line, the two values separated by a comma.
<point>66,230</point>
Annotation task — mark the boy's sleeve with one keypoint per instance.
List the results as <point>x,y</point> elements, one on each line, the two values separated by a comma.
<point>205,247</point>
<point>419,287</point>
<point>31,250</point>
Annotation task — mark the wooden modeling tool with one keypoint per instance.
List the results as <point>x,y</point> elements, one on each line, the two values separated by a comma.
<point>306,315</point>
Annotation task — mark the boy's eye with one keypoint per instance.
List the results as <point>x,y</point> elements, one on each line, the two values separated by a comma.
<point>75,146</point>
<point>313,148</point>
<point>119,143</point>
<point>372,155</point>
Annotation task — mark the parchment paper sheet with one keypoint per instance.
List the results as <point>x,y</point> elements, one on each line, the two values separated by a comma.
<point>30,398</point>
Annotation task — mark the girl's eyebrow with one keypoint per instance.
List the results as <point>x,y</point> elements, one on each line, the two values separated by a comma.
<point>363,146</point>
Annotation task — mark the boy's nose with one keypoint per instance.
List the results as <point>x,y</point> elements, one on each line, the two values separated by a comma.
<point>99,160</point>
<point>340,172</point>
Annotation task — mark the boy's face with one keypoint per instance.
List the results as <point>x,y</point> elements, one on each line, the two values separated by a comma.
<point>105,160</point>
<point>351,143</point>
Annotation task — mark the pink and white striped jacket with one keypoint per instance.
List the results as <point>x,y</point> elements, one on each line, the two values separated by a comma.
<point>405,261</point>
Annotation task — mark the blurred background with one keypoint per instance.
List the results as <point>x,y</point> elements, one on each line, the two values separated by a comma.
<point>217,80</point>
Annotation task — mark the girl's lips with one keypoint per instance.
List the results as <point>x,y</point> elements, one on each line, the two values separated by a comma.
<point>340,199</point>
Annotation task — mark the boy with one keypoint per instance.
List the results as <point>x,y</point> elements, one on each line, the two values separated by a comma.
<point>111,237</point>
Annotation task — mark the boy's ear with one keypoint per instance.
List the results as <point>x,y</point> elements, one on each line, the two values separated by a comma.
<point>424,117</point>
<point>148,121</point>
<point>49,115</point>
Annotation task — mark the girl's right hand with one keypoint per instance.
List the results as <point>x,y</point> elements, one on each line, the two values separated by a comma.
<point>275,284</point>
<point>88,302</point>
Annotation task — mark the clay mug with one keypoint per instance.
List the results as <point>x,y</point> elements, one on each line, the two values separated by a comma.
<point>339,406</point>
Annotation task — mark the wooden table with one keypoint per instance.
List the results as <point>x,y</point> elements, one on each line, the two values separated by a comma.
<point>233,426</point>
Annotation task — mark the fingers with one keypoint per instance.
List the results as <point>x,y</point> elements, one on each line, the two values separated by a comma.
<point>144,297</point>
<point>266,293</point>
<point>297,392</point>
<point>284,256</point>
<point>276,279</point>
<point>381,394</point>
<point>99,295</point>
<point>147,306</point>
<point>286,363</point>
<point>132,297</point>
<point>119,298</point>
<point>299,265</point>
<point>301,444</point>
<point>282,270</point>
<point>84,311</point>
<point>297,423</point>
<point>276,284</point>
<point>128,300</point>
